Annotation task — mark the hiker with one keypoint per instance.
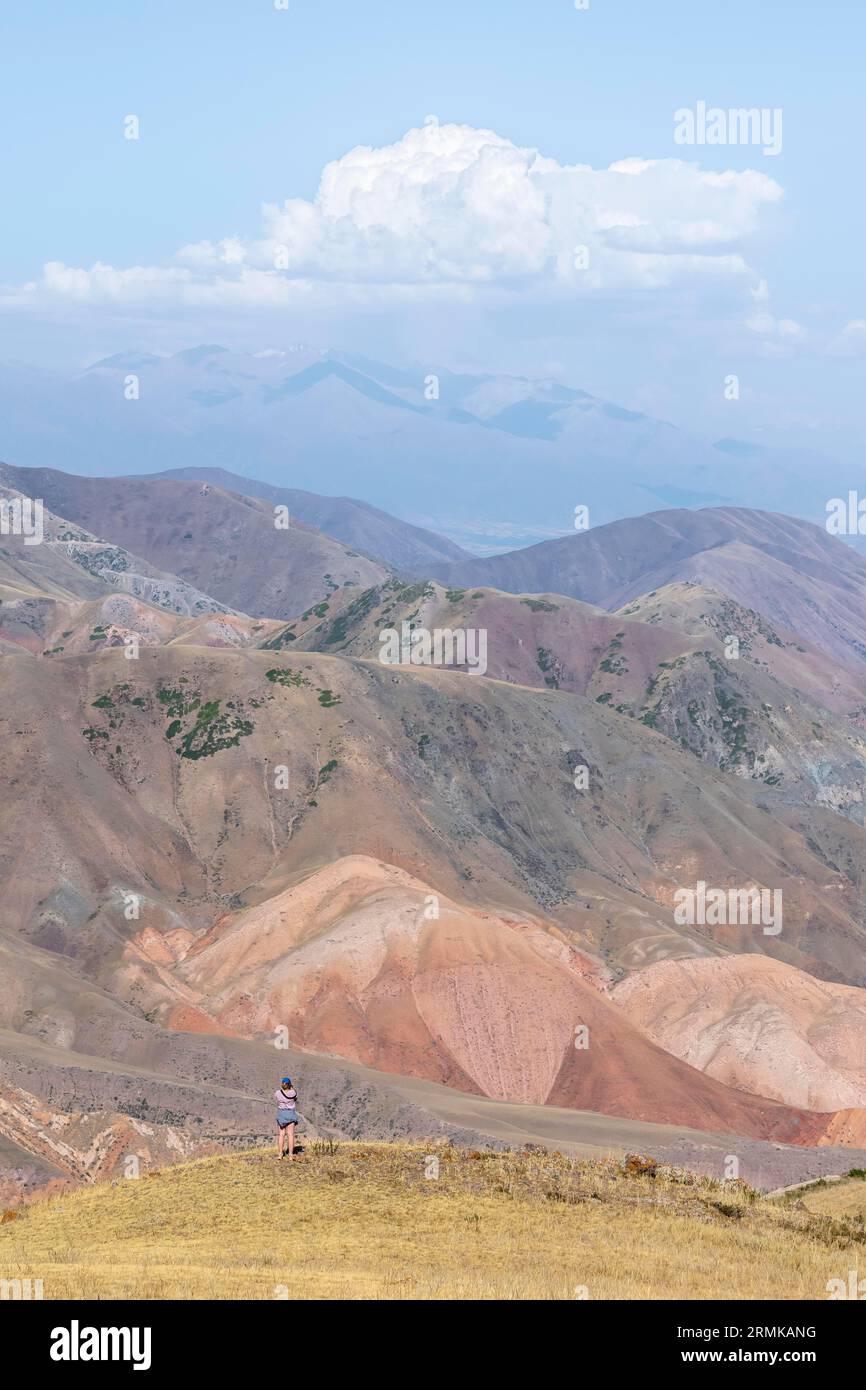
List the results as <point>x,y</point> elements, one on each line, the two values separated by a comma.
<point>287,1116</point>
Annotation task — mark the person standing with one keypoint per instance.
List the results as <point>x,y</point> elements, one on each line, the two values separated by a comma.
<point>287,1117</point>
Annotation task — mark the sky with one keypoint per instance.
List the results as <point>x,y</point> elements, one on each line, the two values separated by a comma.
<point>487,186</point>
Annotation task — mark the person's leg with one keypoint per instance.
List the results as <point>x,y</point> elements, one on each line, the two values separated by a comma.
<point>291,1129</point>
<point>279,1141</point>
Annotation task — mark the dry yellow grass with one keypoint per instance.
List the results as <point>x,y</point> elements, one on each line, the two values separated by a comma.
<point>363,1221</point>
<point>847,1199</point>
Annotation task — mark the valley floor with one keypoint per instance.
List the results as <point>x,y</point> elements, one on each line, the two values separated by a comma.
<point>405,1221</point>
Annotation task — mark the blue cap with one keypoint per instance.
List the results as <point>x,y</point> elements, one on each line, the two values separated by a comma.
<point>286,1081</point>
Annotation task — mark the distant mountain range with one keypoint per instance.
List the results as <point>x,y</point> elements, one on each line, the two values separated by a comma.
<point>791,571</point>
<point>490,461</point>
<point>355,523</point>
<point>200,526</point>
<point>250,822</point>
<point>218,541</point>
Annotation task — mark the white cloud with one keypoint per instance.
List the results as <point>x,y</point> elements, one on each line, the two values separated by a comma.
<point>779,335</point>
<point>769,327</point>
<point>453,206</point>
<point>102,283</point>
<point>851,342</point>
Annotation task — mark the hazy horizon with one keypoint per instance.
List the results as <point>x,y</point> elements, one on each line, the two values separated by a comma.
<point>502,190</point>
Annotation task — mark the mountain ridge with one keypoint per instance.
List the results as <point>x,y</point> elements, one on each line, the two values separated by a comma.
<point>491,455</point>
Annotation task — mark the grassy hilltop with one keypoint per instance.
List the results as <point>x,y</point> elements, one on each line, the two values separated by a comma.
<point>363,1221</point>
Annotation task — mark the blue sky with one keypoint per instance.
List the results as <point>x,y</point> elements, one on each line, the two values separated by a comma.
<point>241,104</point>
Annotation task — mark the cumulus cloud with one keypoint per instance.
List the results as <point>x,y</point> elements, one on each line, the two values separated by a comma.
<point>453,206</point>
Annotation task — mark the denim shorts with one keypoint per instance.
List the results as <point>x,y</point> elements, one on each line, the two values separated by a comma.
<point>287,1117</point>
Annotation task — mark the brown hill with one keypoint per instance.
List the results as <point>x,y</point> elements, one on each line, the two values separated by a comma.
<point>778,711</point>
<point>70,562</point>
<point>218,839</point>
<point>757,1025</point>
<point>793,573</point>
<point>172,762</point>
<point>350,962</point>
<point>358,525</point>
<point>214,540</point>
